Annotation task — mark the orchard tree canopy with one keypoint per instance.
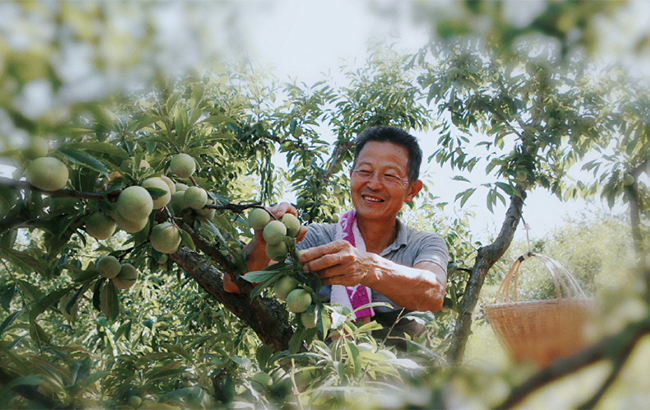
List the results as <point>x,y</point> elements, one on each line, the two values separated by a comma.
<point>130,188</point>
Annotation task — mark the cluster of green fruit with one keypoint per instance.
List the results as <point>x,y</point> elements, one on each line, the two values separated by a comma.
<point>132,212</point>
<point>275,232</point>
<point>279,236</point>
<point>135,204</point>
<point>123,275</point>
<point>298,299</point>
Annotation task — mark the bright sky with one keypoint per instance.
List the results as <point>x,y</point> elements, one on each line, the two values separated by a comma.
<point>305,39</point>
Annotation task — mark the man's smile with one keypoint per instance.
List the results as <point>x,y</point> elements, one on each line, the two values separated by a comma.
<point>372,198</point>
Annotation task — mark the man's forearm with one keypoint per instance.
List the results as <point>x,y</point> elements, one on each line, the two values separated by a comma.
<point>420,288</point>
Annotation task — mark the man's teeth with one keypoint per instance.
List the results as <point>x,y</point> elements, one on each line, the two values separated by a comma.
<point>373,199</point>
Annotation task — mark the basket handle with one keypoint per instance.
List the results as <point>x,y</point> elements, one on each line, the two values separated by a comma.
<point>564,282</point>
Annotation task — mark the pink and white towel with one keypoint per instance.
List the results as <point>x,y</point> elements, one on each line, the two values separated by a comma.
<point>352,297</point>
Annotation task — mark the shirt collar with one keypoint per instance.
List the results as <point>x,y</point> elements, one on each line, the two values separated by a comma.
<point>400,240</point>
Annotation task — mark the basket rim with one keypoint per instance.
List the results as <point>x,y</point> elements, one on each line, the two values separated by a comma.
<point>540,302</point>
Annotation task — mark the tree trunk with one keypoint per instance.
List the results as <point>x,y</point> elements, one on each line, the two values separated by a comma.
<point>485,258</point>
<point>264,315</point>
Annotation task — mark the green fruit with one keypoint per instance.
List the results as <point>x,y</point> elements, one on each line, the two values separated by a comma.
<point>274,232</point>
<point>135,402</point>
<point>195,197</point>
<point>159,202</point>
<point>277,252</point>
<point>37,147</point>
<point>165,237</point>
<point>162,259</point>
<point>283,286</point>
<point>308,320</point>
<point>126,278</point>
<point>628,180</point>
<point>177,203</point>
<point>258,218</point>
<point>47,173</point>
<point>292,223</point>
<point>261,380</point>
<point>108,266</point>
<point>100,226</point>
<point>180,187</point>
<point>130,226</point>
<point>454,73</point>
<point>170,184</point>
<point>298,300</point>
<point>183,165</point>
<point>134,203</point>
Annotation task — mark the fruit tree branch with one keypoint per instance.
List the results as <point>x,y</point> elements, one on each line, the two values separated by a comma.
<point>60,193</point>
<point>485,258</point>
<point>337,157</point>
<point>265,316</point>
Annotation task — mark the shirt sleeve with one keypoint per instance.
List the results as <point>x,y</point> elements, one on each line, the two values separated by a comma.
<point>317,234</point>
<point>433,249</point>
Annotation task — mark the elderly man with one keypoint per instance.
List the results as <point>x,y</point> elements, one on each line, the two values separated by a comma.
<point>400,265</point>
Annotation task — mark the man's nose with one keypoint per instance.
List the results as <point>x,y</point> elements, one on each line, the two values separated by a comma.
<point>375,181</point>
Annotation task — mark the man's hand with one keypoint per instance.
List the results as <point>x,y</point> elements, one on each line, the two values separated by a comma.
<point>420,288</point>
<point>256,258</point>
<point>338,263</point>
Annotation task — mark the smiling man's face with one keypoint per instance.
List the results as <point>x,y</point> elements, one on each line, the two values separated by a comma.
<point>379,181</point>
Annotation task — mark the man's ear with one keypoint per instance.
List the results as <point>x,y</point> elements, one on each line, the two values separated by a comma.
<point>414,188</point>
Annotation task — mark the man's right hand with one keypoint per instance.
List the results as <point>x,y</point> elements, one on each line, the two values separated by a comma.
<point>256,258</point>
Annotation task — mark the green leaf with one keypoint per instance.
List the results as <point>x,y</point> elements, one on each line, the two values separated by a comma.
<point>507,188</point>
<point>85,160</point>
<point>47,301</point>
<point>260,276</point>
<point>369,327</point>
<point>8,321</point>
<point>156,192</point>
<point>179,350</point>
<point>95,376</point>
<point>110,302</point>
<point>24,260</point>
<point>217,119</point>
<point>102,147</point>
<point>464,196</point>
<point>460,178</point>
<point>263,285</point>
<point>186,240</point>
<point>296,340</point>
<point>6,295</point>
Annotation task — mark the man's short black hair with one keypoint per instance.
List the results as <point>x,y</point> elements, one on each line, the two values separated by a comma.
<point>383,133</point>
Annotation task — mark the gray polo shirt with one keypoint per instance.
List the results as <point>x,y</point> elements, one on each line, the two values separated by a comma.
<point>410,247</point>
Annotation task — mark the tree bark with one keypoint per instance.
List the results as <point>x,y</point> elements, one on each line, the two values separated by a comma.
<point>486,257</point>
<point>264,315</point>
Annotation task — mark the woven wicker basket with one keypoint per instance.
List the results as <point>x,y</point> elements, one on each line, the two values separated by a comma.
<point>543,330</point>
